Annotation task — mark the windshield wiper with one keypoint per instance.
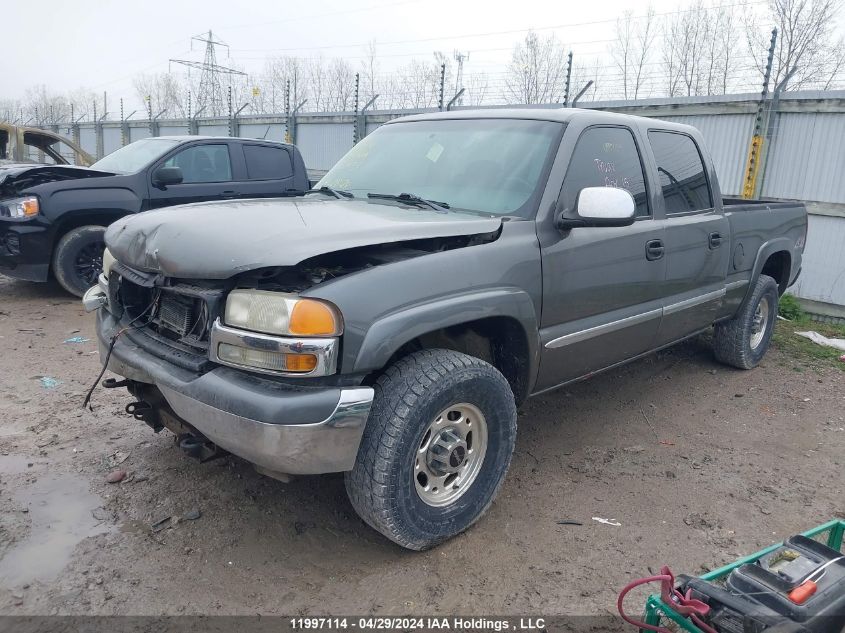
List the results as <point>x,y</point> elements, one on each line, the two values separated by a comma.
<point>409,198</point>
<point>337,193</point>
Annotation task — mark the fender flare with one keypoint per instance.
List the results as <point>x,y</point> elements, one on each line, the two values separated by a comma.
<point>390,332</point>
<point>766,250</point>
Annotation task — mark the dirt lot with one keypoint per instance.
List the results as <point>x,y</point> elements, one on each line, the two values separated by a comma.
<point>698,462</point>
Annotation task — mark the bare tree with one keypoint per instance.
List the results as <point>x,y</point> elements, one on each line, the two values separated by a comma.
<point>165,91</point>
<point>369,73</point>
<point>43,107</point>
<point>632,50</point>
<point>584,71</point>
<point>698,52</point>
<point>477,87</point>
<point>806,54</point>
<point>537,70</point>
<point>10,110</point>
<point>340,85</point>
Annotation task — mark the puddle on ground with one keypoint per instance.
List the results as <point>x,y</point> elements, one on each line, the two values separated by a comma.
<point>60,516</point>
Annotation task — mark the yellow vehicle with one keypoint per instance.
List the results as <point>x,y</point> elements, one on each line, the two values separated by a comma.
<point>34,145</point>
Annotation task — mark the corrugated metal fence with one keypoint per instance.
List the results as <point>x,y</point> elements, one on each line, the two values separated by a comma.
<point>806,157</point>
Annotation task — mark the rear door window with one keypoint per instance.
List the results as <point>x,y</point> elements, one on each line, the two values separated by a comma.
<point>680,168</point>
<point>606,157</point>
<point>267,163</point>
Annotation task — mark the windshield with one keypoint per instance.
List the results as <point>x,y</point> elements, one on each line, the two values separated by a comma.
<point>491,166</point>
<point>135,156</point>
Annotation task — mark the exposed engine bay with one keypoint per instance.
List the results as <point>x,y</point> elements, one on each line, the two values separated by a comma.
<point>323,268</point>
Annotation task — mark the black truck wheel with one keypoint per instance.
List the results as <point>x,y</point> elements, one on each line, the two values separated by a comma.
<point>78,258</point>
<point>436,447</point>
<point>743,341</point>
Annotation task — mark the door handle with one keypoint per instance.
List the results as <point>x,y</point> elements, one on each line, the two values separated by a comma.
<point>229,193</point>
<point>654,249</point>
<point>714,240</point>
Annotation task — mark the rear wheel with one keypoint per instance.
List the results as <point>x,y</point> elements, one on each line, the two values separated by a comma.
<point>436,448</point>
<point>744,340</point>
<point>78,258</point>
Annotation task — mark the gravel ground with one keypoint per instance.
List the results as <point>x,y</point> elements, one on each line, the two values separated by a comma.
<point>698,462</point>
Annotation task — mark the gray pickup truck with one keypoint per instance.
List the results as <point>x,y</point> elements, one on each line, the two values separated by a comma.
<point>389,324</point>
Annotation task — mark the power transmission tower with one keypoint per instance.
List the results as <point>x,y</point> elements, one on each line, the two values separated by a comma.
<point>210,93</point>
<point>459,77</point>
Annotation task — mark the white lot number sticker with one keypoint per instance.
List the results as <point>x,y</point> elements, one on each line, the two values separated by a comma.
<point>434,153</point>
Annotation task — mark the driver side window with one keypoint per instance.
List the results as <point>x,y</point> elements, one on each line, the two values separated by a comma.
<point>606,157</point>
<point>203,163</point>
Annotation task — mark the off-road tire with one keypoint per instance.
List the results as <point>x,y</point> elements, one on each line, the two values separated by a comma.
<point>408,396</point>
<point>732,339</point>
<point>73,245</point>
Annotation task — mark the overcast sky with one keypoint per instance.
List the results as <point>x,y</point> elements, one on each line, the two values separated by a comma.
<point>102,44</point>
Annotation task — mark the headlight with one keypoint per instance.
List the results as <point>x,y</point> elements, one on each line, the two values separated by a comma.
<point>280,313</point>
<point>19,208</point>
<point>108,260</point>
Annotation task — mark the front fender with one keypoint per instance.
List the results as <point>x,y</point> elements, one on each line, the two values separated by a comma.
<point>391,332</point>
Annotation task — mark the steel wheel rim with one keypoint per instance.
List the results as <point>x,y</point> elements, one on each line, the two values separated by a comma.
<point>89,262</point>
<point>450,454</point>
<point>759,323</point>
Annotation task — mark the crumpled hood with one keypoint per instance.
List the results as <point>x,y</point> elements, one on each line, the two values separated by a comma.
<point>15,177</point>
<point>215,240</point>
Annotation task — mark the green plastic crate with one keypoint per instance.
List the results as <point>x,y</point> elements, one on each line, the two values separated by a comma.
<point>658,613</point>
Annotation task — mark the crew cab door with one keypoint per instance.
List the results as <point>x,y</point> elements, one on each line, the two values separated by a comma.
<point>207,174</point>
<point>697,236</point>
<point>269,171</point>
<point>601,285</point>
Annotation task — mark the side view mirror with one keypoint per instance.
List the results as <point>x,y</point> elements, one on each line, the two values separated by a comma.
<point>599,206</point>
<point>167,176</point>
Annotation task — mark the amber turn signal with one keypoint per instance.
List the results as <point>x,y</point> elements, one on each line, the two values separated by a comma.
<point>301,362</point>
<point>29,206</point>
<point>313,318</point>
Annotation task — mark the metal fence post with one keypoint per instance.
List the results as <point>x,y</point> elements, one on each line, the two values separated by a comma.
<point>98,132</point>
<point>231,114</point>
<point>288,133</point>
<point>752,167</point>
<point>356,135</point>
<point>75,133</point>
<point>568,79</point>
<point>442,86</point>
<point>361,119</point>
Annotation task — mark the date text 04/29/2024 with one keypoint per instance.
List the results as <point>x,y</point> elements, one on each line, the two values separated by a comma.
<point>421,623</point>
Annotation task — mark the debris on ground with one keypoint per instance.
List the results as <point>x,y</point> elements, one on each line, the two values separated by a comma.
<point>192,515</point>
<point>115,476</point>
<point>821,339</point>
<point>612,522</point>
<point>569,522</point>
<point>77,339</point>
<point>48,382</point>
<point>161,524</point>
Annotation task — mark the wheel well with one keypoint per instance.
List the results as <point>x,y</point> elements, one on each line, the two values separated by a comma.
<point>75,220</point>
<point>500,341</point>
<point>778,266</point>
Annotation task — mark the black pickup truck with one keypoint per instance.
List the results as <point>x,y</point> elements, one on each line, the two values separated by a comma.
<point>53,217</point>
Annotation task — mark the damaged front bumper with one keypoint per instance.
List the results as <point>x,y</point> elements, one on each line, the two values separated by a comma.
<point>279,427</point>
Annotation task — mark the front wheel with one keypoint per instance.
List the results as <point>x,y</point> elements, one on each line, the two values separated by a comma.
<point>436,447</point>
<point>78,258</point>
<point>744,340</point>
